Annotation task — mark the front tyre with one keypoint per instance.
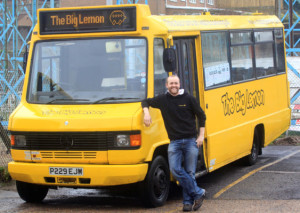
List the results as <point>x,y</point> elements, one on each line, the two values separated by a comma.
<point>155,188</point>
<point>31,193</point>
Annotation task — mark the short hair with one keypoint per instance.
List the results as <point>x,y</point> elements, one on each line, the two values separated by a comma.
<point>174,75</point>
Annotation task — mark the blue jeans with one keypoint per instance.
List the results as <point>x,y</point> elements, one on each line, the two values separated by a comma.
<point>186,150</point>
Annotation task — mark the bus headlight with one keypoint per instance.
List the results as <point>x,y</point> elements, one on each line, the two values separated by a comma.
<point>18,140</point>
<point>127,141</point>
<point>123,141</point>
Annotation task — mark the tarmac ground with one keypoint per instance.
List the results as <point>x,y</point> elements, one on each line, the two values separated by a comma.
<point>271,185</point>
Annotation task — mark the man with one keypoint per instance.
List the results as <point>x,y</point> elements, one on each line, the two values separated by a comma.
<point>179,110</point>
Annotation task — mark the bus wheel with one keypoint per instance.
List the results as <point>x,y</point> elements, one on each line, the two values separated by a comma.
<point>251,159</point>
<point>31,193</point>
<point>155,188</point>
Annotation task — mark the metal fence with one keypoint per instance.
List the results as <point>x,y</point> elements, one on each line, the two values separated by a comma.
<point>5,156</point>
<point>292,42</point>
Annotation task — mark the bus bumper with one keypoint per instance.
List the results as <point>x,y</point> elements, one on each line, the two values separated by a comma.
<point>93,175</point>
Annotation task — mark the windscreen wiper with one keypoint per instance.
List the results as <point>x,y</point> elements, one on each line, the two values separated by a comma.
<point>102,100</point>
<point>66,99</point>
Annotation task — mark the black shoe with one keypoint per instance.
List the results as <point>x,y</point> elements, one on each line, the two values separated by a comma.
<point>198,202</point>
<point>187,207</point>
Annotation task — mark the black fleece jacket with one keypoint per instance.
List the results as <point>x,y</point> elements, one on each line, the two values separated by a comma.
<point>179,114</point>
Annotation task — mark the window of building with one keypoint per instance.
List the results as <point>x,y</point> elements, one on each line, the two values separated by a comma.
<point>202,1</point>
<point>211,2</point>
<point>193,1</point>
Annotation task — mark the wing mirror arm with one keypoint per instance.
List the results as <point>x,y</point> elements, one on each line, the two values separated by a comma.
<point>169,56</point>
<point>25,58</point>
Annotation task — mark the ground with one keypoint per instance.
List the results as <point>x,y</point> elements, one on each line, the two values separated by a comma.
<point>11,186</point>
<point>288,141</point>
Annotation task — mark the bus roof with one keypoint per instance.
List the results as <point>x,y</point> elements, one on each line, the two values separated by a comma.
<point>130,19</point>
<point>217,22</point>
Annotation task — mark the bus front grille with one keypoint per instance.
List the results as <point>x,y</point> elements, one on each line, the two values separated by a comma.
<point>66,155</point>
<point>68,141</point>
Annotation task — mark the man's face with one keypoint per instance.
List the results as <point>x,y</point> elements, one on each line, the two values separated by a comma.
<point>173,85</point>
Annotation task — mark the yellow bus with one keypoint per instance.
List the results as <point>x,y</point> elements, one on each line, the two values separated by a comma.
<point>80,121</point>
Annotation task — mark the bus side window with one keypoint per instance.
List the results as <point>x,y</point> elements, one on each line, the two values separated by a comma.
<point>280,50</point>
<point>264,53</point>
<point>215,58</point>
<point>159,73</point>
<point>242,66</point>
<point>242,56</point>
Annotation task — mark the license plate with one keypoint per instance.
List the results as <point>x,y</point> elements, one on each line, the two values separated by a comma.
<point>70,171</point>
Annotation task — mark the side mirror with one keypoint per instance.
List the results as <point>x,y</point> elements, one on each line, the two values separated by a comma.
<point>169,59</point>
<point>25,57</point>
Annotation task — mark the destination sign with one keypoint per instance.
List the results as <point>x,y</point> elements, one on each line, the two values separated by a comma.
<point>87,20</point>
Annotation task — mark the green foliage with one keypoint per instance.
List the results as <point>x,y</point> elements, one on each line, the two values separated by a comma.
<point>4,175</point>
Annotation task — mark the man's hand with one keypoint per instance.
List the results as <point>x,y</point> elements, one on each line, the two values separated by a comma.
<point>147,117</point>
<point>200,141</point>
<point>147,120</point>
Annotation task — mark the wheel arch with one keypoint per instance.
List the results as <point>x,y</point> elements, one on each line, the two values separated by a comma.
<point>260,131</point>
<point>158,149</point>
<point>161,150</point>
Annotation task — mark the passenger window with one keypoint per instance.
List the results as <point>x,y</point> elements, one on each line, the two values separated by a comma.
<point>280,50</point>
<point>263,36</point>
<point>240,38</point>
<point>264,53</point>
<point>215,59</point>
<point>159,73</point>
<point>264,59</point>
<point>242,65</point>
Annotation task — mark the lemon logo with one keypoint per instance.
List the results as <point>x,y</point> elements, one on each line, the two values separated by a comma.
<point>117,17</point>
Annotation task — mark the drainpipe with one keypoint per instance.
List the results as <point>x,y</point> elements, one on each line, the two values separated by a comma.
<point>34,18</point>
<point>279,9</point>
<point>291,24</point>
<point>5,38</point>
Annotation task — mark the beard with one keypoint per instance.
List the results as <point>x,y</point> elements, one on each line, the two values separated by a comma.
<point>173,90</point>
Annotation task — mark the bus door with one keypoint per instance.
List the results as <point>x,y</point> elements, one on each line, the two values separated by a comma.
<point>187,72</point>
<point>186,65</point>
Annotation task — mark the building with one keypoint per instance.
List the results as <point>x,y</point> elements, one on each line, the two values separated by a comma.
<point>157,7</point>
<point>261,6</point>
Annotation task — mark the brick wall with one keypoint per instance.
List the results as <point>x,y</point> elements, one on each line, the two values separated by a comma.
<point>246,3</point>
<point>157,7</point>
<point>78,3</point>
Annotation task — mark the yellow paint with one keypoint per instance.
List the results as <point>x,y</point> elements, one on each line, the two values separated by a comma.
<point>229,136</point>
<point>100,175</point>
<point>230,131</point>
